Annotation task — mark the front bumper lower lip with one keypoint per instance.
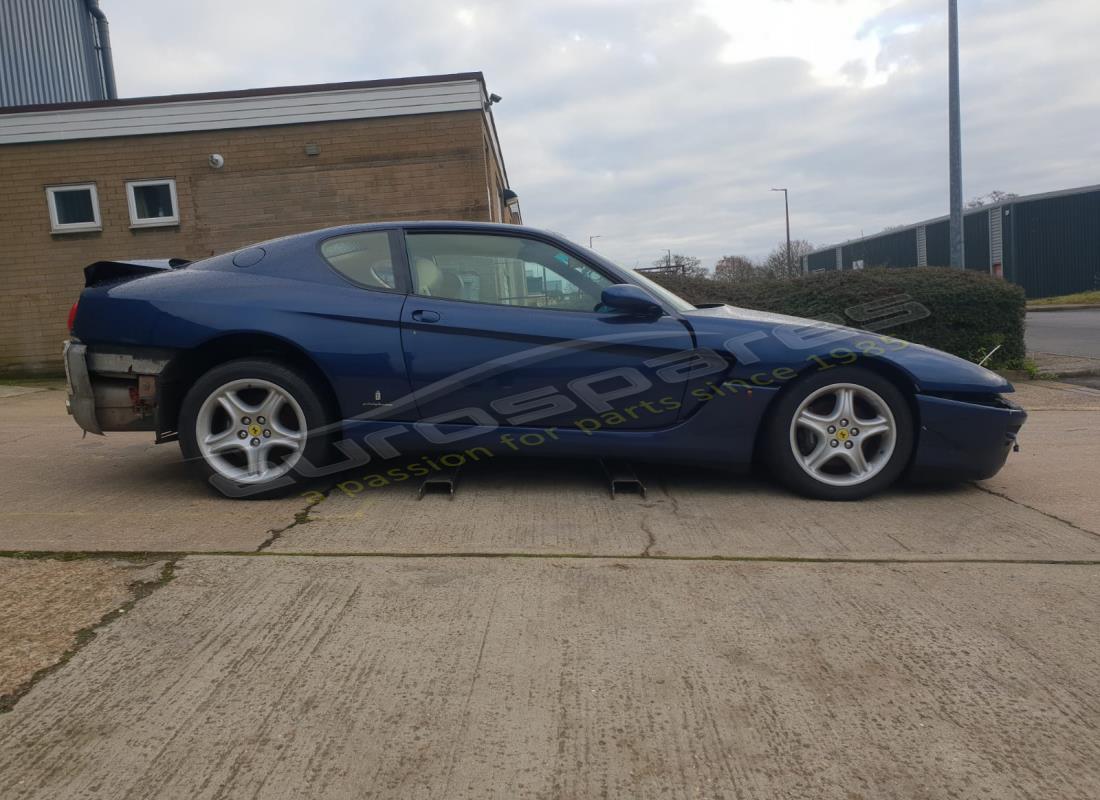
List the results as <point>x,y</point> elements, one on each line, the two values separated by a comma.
<point>81,401</point>
<point>965,441</point>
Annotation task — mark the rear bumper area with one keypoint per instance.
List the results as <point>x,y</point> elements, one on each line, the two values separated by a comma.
<point>965,440</point>
<point>81,401</point>
<point>111,391</point>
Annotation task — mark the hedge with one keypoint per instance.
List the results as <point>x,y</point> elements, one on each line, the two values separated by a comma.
<point>970,313</point>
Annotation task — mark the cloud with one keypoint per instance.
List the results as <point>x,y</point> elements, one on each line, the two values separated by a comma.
<point>663,123</point>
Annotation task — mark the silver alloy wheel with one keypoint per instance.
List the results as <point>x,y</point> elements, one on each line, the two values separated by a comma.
<point>251,431</point>
<point>843,435</point>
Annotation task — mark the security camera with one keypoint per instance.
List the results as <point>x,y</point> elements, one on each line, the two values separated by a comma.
<point>217,160</point>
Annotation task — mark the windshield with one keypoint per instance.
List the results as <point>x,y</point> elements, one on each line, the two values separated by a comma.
<point>674,300</point>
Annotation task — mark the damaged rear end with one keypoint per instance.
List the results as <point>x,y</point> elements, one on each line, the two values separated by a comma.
<point>113,388</point>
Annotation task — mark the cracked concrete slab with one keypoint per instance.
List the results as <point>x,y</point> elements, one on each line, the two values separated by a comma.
<point>1054,471</point>
<point>114,493</point>
<point>46,603</point>
<point>281,677</point>
<point>122,493</point>
<point>562,507</point>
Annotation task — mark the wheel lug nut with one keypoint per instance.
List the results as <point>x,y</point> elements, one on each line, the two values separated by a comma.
<point>267,434</point>
<point>847,445</point>
<point>255,442</point>
<point>854,431</point>
<point>246,420</point>
<point>834,443</point>
<point>260,421</point>
<point>844,423</point>
<point>242,434</point>
<point>832,429</point>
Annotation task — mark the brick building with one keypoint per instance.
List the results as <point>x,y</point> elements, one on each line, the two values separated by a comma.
<point>193,175</point>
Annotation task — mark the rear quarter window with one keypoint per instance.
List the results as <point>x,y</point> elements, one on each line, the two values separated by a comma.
<point>365,259</point>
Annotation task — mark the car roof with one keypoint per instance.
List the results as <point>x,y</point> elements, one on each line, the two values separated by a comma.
<point>443,224</point>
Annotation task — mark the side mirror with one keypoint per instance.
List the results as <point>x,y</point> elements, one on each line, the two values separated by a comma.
<point>626,298</point>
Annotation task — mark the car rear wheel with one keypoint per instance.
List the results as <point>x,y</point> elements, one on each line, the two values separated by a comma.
<point>840,434</point>
<point>250,426</point>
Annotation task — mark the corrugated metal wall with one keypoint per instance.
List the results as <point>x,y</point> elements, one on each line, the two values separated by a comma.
<point>895,249</point>
<point>1049,244</point>
<point>48,53</point>
<point>976,241</point>
<point>1053,244</point>
<point>938,235</point>
<point>826,259</point>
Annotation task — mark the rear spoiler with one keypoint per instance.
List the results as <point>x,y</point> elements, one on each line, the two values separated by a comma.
<point>107,271</point>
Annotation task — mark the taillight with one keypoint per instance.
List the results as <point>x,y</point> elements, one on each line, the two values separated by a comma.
<point>72,315</point>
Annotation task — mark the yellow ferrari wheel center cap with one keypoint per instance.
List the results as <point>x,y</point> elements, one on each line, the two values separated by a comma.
<point>842,434</point>
<point>254,430</point>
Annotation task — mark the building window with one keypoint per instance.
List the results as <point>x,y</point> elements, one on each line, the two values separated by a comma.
<point>152,203</point>
<point>73,208</point>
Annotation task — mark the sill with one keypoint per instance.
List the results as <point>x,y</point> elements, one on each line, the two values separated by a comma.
<point>165,223</point>
<point>78,229</point>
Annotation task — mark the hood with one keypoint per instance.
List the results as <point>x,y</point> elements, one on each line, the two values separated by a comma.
<point>760,339</point>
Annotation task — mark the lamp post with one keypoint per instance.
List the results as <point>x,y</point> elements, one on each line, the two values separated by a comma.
<point>954,134</point>
<point>590,238</point>
<point>787,210</point>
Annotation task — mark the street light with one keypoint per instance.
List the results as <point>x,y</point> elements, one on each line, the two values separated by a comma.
<point>590,238</point>
<point>787,209</point>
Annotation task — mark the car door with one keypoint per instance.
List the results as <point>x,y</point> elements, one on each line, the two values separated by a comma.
<point>509,329</point>
<point>353,331</point>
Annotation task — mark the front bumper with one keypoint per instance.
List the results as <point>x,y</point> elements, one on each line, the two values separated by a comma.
<point>963,439</point>
<point>81,401</point>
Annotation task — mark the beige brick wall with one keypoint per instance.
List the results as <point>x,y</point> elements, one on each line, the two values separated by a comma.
<point>431,166</point>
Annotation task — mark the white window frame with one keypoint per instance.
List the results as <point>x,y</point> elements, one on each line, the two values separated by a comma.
<point>152,222</point>
<point>73,227</point>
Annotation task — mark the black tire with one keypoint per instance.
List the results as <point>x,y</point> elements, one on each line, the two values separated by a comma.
<point>293,383</point>
<point>779,452</point>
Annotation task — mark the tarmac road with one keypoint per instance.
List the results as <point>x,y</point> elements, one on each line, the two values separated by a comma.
<point>1067,333</point>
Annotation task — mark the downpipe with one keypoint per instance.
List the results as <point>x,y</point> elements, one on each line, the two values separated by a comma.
<point>106,60</point>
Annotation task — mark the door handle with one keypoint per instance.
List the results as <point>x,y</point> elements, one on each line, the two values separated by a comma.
<point>425,316</point>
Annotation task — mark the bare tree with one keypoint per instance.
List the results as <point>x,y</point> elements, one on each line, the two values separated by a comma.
<point>776,263</point>
<point>992,199</point>
<point>735,268</point>
<point>679,264</point>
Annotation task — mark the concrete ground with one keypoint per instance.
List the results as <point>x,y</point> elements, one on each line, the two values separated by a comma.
<point>534,638</point>
<point>46,606</point>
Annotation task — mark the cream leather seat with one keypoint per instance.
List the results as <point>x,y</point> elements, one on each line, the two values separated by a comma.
<point>427,275</point>
<point>431,281</point>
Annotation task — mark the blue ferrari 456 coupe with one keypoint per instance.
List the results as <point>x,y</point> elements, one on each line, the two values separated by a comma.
<point>370,351</point>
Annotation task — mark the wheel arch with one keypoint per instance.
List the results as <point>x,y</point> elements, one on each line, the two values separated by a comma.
<point>902,380</point>
<point>188,366</point>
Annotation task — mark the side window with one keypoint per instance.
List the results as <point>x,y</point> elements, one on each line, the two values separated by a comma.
<point>362,258</point>
<point>501,270</point>
<point>74,208</point>
<point>152,203</point>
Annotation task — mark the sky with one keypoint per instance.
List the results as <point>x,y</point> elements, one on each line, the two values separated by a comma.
<point>663,124</point>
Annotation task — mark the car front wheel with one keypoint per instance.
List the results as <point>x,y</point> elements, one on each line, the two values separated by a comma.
<point>251,426</point>
<point>840,434</point>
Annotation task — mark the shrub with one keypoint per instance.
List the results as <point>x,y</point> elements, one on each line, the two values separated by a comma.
<point>971,313</point>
